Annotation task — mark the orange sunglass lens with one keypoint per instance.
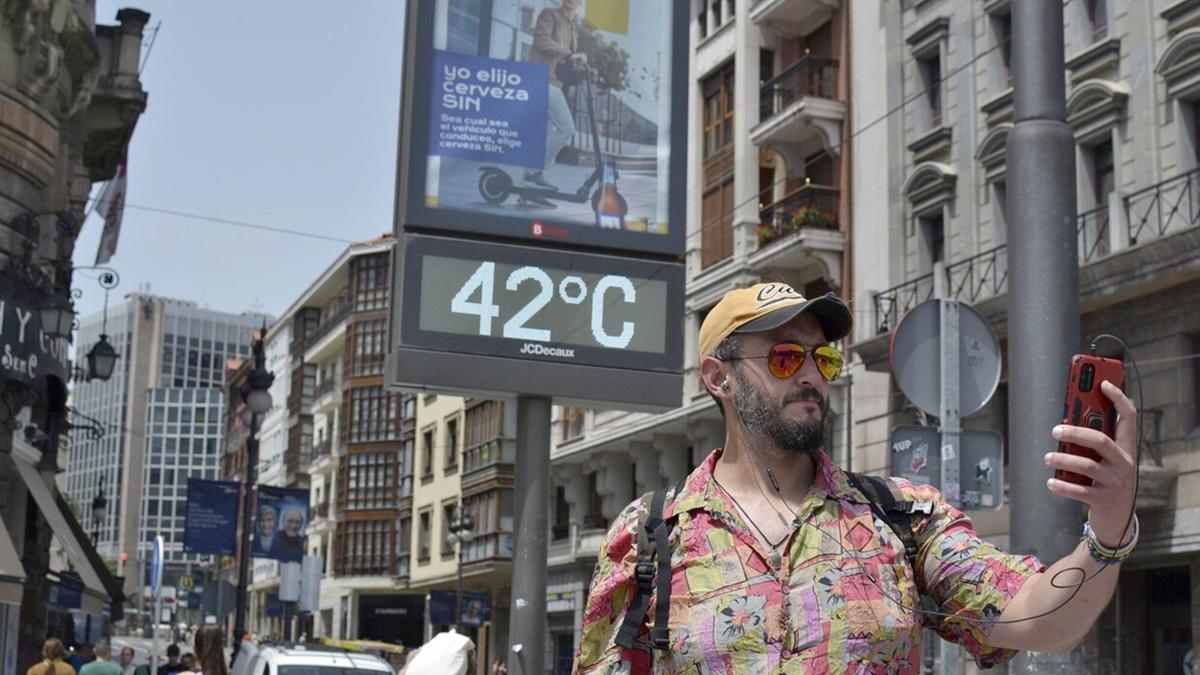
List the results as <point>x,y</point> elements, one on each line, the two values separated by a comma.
<point>785,360</point>
<point>829,362</point>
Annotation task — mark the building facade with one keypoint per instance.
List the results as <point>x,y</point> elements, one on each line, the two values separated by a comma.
<point>769,166</point>
<point>70,98</point>
<point>933,83</point>
<point>162,412</point>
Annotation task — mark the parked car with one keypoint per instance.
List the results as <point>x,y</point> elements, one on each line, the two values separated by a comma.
<point>306,659</point>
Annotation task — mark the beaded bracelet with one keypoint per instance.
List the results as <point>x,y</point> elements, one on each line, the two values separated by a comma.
<point>1105,555</point>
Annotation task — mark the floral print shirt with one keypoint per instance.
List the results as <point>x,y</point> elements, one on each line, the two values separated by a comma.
<point>838,597</point>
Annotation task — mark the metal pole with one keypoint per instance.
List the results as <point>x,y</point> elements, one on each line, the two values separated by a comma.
<point>527,623</point>
<point>1043,298</point>
<point>458,596</point>
<point>239,620</point>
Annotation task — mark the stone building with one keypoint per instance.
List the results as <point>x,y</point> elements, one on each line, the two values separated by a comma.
<point>70,98</point>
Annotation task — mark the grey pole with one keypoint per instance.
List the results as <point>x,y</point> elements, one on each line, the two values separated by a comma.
<point>1043,297</point>
<point>527,624</point>
<point>239,617</point>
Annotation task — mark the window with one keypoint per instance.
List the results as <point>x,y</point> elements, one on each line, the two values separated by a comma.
<point>365,547</point>
<point>427,454</point>
<point>572,423</point>
<point>404,546</point>
<point>1097,15</point>
<point>718,111</point>
<point>933,240</point>
<point>929,72</point>
<point>716,219</point>
<point>448,517</point>
<point>369,481</point>
<point>1002,35</point>
<point>372,415</point>
<point>423,535</point>
<point>491,513</point>
<point>595,516</point>
<point>451,446</point>
<point>562,515</point>
<point>370,282</point>
<point>369,350</point>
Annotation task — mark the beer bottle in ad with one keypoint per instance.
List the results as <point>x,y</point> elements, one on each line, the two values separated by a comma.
<point>610,211</point>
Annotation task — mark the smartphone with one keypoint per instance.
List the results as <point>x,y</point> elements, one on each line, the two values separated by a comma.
<point>1087,406</point>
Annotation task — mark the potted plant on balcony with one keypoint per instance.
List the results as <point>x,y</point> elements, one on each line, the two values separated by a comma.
<point>803,217</point>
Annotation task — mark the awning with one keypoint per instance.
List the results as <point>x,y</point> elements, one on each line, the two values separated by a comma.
<point>12,573</point>
<point>94,594</point>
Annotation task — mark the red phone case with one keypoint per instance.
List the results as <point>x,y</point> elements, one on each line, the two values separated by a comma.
<point>1087,406</point>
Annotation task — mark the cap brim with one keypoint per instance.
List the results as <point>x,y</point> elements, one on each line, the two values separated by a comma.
<point>832,313</point>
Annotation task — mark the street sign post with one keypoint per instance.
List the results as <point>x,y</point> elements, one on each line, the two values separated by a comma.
<point>946,360</point>
<point>156,568</point>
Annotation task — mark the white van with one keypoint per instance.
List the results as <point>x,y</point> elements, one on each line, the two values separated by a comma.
<point>306,659</point>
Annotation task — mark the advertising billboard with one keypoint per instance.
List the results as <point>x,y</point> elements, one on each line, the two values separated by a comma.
<point>547,120</point>
<point>279,521</point>
<point>210,521</point>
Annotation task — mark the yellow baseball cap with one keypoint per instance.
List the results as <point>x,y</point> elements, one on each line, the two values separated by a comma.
<point>766,306</point>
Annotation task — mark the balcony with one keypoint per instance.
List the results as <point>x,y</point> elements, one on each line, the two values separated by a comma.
<point>792,17</point>
<point>334,320</point>
<point>487,462</point>
<point>801,231</point>
<point>799,113</point>
<point>402,565</point>
<point>406,487</point>
<point>494,546</point>
<point>1160,224</point>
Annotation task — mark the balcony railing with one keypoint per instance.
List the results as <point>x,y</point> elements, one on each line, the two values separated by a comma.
<point>322,510</point>
<point>1169,206</point>
<point>894,303</point>
<point>486,454</point>
<point>406,485</point>
<point>323,449</point>
<point>812,206</point>
<point>402,564</point>
<point>1092,229</point>
<point>327,385</point>
<point>328,324</point>
<point>809,76</point>
<point>978,277</point>
<point>560,532</point>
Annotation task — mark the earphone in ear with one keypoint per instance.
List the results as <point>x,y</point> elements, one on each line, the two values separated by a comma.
<point>724,386</point>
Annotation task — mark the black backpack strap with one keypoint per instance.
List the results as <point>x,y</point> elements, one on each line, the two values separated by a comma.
<point>653,541</point>
<point>898,515</point>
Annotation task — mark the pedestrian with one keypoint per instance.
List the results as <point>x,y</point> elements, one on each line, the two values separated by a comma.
<point>188,660</point>
<point>499,667</point>
<point>172,665</point>
<point>52,662</point>
<point>127,656</point>
<point>210,653</point>
<point>779,561</point>
<point>102,665</point>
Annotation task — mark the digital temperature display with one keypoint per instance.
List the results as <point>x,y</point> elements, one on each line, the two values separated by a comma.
<point>519,302</point>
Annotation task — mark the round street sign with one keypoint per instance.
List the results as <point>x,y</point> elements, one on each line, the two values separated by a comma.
<point>156,564</point>
<point>917,365</point>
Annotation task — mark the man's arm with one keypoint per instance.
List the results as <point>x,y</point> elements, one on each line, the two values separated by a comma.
<point>1110,499</point>
<point>543,36</point>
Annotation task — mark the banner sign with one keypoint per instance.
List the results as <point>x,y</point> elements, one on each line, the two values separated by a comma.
<point>545,121</point>
<point>475,608</point>
<point>279,522</point>
<point>210,521</point>
<point>27,353</point>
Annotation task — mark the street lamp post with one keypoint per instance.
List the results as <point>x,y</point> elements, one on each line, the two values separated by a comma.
<point>460,532</point>
<point>257,397</point>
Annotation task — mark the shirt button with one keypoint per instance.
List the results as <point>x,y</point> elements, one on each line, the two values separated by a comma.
<point>787,653</point>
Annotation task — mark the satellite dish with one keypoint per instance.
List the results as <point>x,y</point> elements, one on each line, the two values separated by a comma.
<point>917,365</point>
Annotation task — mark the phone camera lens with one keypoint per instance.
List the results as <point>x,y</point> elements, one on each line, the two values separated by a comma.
<point>1086,375</point>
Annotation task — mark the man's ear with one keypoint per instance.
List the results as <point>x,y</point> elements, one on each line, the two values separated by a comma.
<point>714,377</point>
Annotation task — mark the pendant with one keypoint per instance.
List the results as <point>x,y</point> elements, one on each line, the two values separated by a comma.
<point>774,559</point>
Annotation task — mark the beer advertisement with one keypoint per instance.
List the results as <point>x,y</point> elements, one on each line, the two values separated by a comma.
<point>548,120</point>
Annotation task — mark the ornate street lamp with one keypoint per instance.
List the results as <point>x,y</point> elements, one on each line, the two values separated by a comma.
<point>58,317</point>
<point>102,360</point>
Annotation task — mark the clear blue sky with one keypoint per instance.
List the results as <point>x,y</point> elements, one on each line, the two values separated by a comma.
<point>276,113</point>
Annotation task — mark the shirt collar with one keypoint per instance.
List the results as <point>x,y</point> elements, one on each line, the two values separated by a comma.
<point>699,491</point>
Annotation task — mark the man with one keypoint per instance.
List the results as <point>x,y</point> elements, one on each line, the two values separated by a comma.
<point>127,656</point>
<point>188,661</point>
<point>102,665</point>
<point>264,530</point>
<point>172,665</point>
<point>290,545</point>
<point>778,563</point>
<point>554,39</point>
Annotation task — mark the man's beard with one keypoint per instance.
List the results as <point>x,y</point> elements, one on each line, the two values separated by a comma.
<point>760,418</point>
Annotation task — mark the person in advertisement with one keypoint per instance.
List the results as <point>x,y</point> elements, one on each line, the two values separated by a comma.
<point>778,561</point>
<point>265,531</point>
<point>290,545</point>
<point>555,37</point>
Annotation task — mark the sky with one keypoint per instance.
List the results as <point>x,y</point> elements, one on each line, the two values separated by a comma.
<point>282,114</point>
